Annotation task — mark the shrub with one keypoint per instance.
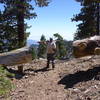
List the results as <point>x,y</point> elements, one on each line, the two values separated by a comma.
<point>5,83</point>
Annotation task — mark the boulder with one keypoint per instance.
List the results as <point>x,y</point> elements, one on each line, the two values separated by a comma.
<point>85,47</point>
<point>16,57</point>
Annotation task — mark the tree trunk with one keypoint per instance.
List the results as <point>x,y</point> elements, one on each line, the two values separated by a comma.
<point>20,24</point>
<point>98,19</point>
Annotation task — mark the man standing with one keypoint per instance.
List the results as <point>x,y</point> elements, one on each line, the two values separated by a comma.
<point>51,50</point>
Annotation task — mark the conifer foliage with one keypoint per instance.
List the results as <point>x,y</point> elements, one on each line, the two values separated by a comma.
<point>89,18</point>
<point>42,47</point>
<point>61,48</point>
<point>12,22</point>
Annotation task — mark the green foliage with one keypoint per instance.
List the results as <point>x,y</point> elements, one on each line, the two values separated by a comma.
<point>42,47</point>
<point>42,3</point>
<point>5,82</point>
<point>12,22</point>
<point>33,53</point>
<point>12,25</point>
<point>61,49</point>
<point>58,36</point>
<point>88,19</point>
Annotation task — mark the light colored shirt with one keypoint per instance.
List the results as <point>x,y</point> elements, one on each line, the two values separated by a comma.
<point>50,47</point>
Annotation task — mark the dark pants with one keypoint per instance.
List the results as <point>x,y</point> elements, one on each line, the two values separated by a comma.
<point>50,57</point>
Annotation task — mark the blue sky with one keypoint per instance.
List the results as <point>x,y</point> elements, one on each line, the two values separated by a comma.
<point>56,18</point>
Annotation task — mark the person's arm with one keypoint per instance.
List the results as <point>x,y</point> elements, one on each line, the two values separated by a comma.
<point>54,47</point>
<point>44,42</point>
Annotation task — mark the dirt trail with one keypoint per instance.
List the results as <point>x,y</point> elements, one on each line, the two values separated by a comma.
<point>70,80</point>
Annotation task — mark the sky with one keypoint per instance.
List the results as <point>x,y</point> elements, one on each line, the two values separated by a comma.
<point>56,18</point>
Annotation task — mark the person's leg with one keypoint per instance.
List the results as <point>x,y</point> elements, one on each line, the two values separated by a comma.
<point>53,64</point>
<point>48,60</point>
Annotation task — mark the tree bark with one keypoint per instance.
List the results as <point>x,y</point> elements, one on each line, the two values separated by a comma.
<point>16,57</point>
<point>98,19</point>
<point>20,24</point>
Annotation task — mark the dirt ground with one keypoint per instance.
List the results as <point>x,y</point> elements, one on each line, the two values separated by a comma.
<point>76,79</point>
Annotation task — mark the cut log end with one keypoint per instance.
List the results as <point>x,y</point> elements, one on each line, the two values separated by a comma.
<point>86,47</point>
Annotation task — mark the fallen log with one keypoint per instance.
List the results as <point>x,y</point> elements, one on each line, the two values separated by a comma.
<point>85,47</point>
<point>16,57</point>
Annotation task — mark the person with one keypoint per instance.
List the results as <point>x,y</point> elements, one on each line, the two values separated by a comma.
<point>51,50</point>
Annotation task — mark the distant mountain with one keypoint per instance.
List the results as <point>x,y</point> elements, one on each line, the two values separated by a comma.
<point>31,42</point>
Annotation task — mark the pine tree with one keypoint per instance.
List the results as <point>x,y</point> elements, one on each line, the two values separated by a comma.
<point>88,17</point>
<point>42,47</point>
<point>61,49</point>
<point>16,11</point>
<point>97,13</point>
<point>33,53</point>
<point>8,32</point>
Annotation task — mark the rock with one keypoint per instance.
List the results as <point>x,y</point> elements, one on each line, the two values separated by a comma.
<point>85,47</point>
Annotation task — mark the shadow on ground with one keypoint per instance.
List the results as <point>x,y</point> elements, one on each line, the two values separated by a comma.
<point>70,80</point>
<point>38,70</point>
<point>17,75</point>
